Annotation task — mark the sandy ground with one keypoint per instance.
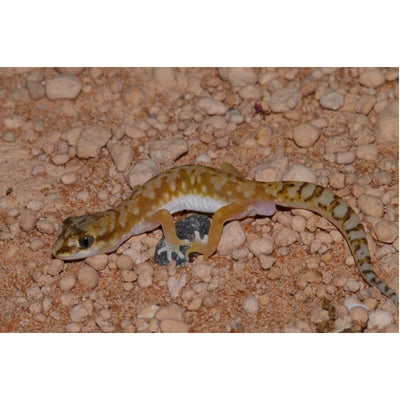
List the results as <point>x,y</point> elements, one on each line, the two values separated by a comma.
<point>70,139</point>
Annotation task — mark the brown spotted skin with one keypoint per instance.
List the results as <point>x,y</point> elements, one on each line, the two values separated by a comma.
<point>228,195</point>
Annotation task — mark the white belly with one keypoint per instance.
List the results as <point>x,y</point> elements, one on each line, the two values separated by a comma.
<point>194,203</point>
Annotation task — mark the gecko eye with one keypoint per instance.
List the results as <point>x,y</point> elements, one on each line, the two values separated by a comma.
<point>86,242</point>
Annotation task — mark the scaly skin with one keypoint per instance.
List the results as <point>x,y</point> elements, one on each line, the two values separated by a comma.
<point>228,195</point>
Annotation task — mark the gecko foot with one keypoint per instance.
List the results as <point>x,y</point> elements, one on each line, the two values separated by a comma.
<point>191,230</point>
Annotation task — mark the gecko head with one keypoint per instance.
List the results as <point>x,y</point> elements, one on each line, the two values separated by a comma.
<point>84,236</point>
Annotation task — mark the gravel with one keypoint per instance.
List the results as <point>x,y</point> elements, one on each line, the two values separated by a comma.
<point>75,141</point>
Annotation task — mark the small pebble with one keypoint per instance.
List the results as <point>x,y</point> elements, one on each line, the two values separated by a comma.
<point>73,327</point>
<point>167,151</point>
<point>176,285</point>
<point>372,78</point>
<point>346,157</point>
<point>148,312</point>
<point>232,237</point>
<point>8,137</point>
<point>250,304</point>
<point>352,285</point>
<point>210,106</point>
<point>78,313</point>
<point>124,262</point>
<point>67,283</point>
<point>68,178</point>
<point>60,159</point>
<point>359,315</point>
<point>371,205</point>
<point>37,244</point>
<point>299,172</point>
<point>171,312</point>
<point>367,152</point>
<point>27,220</point>
<point>284,236</point>
<point>173,326</point>
<point>238,76</point>
<point>62,87</point>
<point>145,279</point>
<point>128,275</point>
<point>98,262</point>
<point>142,172</point>
<point>122,155</point>
<point>305,135</point>
<point>264,245</point>
<point>386,231</point>
<point>285,99</point>
<point>331,100</point>
<point>379,319</point>
<point>55,267</point>
<point>91,140</point>
<point>45,226</point>
<point>88,277</point>
<point>195,304</point>
<point>387,126</point>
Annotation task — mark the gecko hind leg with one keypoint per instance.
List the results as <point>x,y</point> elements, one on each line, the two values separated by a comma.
<point>229,212</point>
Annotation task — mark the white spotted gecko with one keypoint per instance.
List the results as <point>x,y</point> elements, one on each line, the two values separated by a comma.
<point>227,194</point>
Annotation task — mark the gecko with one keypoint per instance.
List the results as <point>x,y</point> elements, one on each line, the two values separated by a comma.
<point>228,195</point>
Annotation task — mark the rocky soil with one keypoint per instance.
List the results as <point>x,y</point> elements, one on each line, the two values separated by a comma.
<point>76,140</point>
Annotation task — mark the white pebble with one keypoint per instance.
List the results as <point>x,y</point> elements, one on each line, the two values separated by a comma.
<point>78,313</point>
<point>8,137</point>
<point>352,285</point>
<point>250,92</point>
<point>266,261</point>
<point>379,319</point>
<point>68,178</point>
<point>367,152</point>
<point>264,245</point>
<point>60,159</point>
<point>386,231</point>
<point>359,315</point>
<point>88,277</point>
<point>305,135</point>
<point>91,140</point>
<point>122,155</point>
<point>142,172</point>
<point>331,100</point>
<point>168,150</point>
<point>145,279</point>
<point>238,76</point>
<point>62,87</point>
<point>371,205</point>
<point>372,78</point>
<point>346,157</point>
<point>45,226</point>
<point>171,312</point>
<point>284,236</point>
<point>285,99</point>
<point>27,220</point>
<point>232,237</point>
<point>210,106</point>
<point>67,283</point>
<point>387,126</point>
<point>73,327</point>
<point>148,312</point>
<point>55,267</point>
<point>234,117</point>
<point>299,172</point>
<point>173,326</point>
<point>250,304</point>
<point>98,262</point>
